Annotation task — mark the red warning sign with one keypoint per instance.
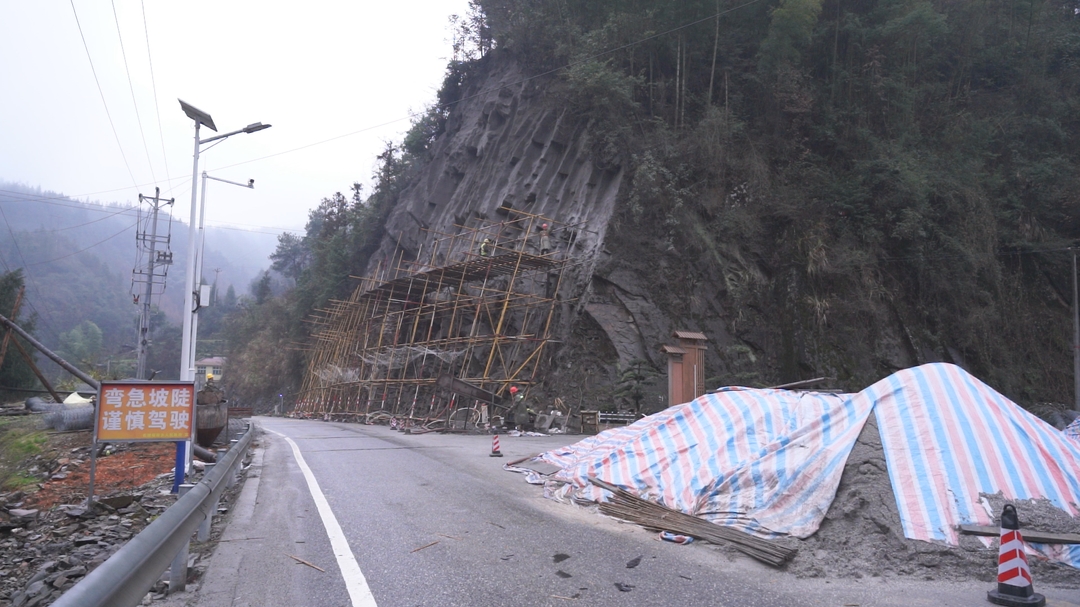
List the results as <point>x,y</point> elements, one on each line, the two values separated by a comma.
<point>145,411</point>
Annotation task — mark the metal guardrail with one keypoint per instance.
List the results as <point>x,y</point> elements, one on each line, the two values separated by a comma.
<point>125,578</point>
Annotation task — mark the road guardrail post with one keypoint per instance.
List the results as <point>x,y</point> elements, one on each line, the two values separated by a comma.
<point>204,528</point>
<point>178,569</point>
<point>230,475</point>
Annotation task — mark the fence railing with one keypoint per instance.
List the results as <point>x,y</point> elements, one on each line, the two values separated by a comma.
<point>125,578</point>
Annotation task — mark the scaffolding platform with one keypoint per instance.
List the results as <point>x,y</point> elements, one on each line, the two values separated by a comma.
<point>482,320</point>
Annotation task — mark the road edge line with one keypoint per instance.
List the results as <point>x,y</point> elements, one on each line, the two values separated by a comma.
<point>355,582</point>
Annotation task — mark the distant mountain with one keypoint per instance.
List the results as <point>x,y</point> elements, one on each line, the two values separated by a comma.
<point>78,259</point>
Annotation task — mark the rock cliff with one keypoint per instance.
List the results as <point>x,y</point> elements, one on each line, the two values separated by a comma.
<point>513,142</point>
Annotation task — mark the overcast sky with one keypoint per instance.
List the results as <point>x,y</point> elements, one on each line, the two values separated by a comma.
<point>316,71</point>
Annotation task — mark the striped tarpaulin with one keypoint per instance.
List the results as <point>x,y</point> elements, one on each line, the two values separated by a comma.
<point>948,438</point>
<point>1073,430</point>
<point>767,461</point>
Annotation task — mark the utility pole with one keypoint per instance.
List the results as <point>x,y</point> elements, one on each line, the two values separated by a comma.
<point>217,273</point>
<point>1076,334</point>
<point>152,277</point>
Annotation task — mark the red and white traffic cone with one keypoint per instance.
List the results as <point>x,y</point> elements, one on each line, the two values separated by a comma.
<point>495,446</point>
<point>1014,577</point>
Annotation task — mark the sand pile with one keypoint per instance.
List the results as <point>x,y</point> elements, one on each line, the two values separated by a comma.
<point>861,535</point>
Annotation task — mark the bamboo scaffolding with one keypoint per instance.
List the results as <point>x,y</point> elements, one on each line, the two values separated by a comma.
<point>444,311</point>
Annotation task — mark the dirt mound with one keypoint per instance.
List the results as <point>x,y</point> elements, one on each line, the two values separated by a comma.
<point>128,467</point>
<point>862,536</point>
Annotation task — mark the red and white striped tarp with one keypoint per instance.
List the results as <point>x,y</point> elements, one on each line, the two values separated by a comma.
<point>949,438</point>
<point>769,461</point>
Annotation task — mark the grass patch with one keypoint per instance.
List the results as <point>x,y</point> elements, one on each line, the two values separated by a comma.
<point>18,481</point>
<point>19,440</point>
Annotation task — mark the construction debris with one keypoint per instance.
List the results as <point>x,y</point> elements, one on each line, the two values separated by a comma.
<point>628,507</point>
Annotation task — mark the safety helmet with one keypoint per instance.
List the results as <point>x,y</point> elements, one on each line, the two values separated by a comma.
<point>513,390</point>
<point>487,240</point>
<point>543,227</point>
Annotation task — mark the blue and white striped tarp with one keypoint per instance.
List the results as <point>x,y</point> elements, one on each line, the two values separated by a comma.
<point>769,461</point>
<point>1073,430</point>
<point>949,438</point>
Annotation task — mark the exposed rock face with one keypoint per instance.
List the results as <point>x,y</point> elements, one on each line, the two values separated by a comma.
<point>508,145</point>
<point>513,142</point>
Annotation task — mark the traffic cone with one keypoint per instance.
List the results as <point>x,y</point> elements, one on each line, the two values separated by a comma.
<point>1014,577</point>
<point>495,446</point>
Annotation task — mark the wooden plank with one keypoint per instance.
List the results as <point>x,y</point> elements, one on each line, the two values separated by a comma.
<point>1039,537</point>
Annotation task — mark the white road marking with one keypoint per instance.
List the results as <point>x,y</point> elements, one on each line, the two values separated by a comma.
<point>354,578</point>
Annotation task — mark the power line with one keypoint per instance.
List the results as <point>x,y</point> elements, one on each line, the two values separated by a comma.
<point>153,82</point>
<point>38,263</point>
<point>58,201</point>
<point>55,201</point>
<point>131,87</point>
<point>396,120</point>
<point>501,86</point>
<point>102,93</point>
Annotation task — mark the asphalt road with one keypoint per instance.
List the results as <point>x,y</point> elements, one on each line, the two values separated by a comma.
<point>394,520</point>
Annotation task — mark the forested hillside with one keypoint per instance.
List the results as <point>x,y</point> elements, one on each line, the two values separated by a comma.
<point>75,260</point>
<point>823,188</point>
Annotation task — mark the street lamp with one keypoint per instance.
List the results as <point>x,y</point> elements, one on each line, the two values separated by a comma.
<point>198,304</point>
<point>187,359</point>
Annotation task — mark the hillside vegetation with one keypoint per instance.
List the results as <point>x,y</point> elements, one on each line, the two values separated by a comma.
<point>75,260</point>
<point>825,188</point>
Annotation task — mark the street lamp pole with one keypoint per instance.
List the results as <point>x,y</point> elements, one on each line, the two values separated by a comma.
<point>187,367</point>
<point>196,288</point>
<point>187,360</point>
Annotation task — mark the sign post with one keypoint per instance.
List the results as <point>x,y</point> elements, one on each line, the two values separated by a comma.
<point>141,411</point>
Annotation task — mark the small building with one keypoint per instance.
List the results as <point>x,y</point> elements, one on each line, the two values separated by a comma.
<point>686,367</point>
<point>212,365</point>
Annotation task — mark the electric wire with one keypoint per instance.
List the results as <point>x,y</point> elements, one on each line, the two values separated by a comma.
<point>102,93</point>
<point>519,82</point>
<point>57,201</point>
<point>483,92</point>
<point>131,87</point>
<point>87,206</point>
<point>153,83</point>
<point>450,104</point>
<point>106,239</point>
<point>121,211</point>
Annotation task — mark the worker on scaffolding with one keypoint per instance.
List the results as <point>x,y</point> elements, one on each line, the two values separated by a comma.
<point>545,240</point>
<point>519,411</point>
<point>485,248</point>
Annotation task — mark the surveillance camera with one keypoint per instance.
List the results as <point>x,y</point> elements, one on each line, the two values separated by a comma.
<point>251,182</point>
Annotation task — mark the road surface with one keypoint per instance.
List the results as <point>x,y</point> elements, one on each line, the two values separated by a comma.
<point>351,515</point>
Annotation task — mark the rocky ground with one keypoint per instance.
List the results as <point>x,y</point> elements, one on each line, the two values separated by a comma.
<point>49,540</point>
